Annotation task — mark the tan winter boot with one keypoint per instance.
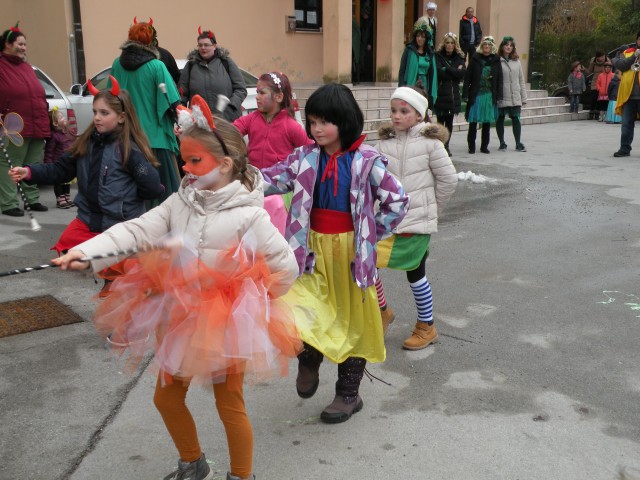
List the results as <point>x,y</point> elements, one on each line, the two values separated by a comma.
<point>388,316</point>
<point>422,336</point>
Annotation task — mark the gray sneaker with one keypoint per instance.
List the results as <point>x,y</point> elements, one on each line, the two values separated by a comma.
<point>198,470</point>
<point>233,477</point>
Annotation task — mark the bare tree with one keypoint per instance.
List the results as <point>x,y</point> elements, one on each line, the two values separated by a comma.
<point>568,16</point>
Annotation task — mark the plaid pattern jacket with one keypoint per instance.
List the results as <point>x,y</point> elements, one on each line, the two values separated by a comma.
<point>370,182</point>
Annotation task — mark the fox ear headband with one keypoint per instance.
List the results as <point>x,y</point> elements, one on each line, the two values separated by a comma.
<point>199,115</point>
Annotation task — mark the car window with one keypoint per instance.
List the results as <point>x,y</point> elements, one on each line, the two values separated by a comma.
<point>249,79</point>
<point>101,80</point>
<point>49,89</point>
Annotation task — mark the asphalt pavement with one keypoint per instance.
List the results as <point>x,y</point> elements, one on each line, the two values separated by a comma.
<point>535,275</point>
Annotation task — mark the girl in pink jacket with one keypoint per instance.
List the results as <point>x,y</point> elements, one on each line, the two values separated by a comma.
<point>273,133</point>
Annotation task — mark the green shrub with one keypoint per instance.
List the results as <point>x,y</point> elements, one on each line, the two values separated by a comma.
<point>554,54</point>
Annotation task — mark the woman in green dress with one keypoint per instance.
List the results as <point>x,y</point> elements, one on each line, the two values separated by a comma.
<point>418,64</point>
<point>482,89</point>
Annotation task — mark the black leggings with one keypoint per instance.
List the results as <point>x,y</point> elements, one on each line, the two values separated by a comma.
<point>447,121</point>
<point>414,275</point>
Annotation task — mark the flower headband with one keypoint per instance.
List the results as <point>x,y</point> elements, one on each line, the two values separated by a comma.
<point>199,116</point>
<point>276,79</point>
<point>451,34</point>
<point>489,39</point>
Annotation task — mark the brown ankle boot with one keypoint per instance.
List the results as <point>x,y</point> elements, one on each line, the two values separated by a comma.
<point>388,316</point>
<point>340,410</point>
<point>423,335</point>
<point>307,381</point>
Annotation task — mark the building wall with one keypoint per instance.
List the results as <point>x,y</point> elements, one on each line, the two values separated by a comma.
<point>254,32</point>
<point>46,25</point>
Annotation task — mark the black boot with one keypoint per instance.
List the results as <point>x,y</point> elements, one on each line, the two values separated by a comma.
<point>308,371</point>
<point>347,401</point>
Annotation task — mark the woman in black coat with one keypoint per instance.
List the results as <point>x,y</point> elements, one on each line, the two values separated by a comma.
<point>451,69</point>
<point>482,89</point>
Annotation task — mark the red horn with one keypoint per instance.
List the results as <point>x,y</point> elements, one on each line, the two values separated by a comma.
<point>115,86</point>
<point>210,34</point>
<point>150,21</point>
<point>92,90</point>
<point>135,20</point>
<point>199,30</point>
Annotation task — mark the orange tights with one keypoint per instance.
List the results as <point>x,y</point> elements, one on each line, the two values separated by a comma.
<point>170,402</point>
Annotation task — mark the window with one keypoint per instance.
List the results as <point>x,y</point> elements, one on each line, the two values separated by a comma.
<point>308,14</point>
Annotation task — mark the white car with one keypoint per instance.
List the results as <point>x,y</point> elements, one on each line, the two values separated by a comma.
<point>57,98</point>
<point>82,100</point>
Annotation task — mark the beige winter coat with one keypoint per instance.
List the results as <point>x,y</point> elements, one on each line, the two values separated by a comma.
<point>514,90</point>
<point>211,222</point>
<point>418,159</point>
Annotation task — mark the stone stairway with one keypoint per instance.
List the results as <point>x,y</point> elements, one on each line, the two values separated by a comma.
<point>374,102</point>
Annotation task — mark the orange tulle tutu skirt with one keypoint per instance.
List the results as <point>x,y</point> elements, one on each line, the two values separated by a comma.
<point>201,323</point>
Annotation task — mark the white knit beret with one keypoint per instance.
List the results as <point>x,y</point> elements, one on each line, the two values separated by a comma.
<point>413,98</point>
<point>430,5</point>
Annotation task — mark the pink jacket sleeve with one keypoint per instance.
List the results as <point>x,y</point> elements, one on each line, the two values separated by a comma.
<point>242,123</point>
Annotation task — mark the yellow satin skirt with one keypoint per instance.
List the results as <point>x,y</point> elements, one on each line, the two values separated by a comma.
<point>332,314</point>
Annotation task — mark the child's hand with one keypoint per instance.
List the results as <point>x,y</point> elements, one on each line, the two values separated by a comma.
<point>18,173</point>
<point>177,130</point>
<point>69,261</point>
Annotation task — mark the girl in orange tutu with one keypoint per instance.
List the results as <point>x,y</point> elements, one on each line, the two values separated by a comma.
<point>210,310</point>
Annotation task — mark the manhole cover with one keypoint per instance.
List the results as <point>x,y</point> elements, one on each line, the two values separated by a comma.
<point>36,313</point>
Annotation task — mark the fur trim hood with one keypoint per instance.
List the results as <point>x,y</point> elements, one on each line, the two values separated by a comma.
<point>221,53</point>
<point>135,54</point>
<point>434,131</point>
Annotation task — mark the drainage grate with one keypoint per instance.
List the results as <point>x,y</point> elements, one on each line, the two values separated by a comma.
<point>36,313</point>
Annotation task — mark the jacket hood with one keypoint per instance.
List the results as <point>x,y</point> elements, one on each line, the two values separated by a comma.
<point>221,53</point>
<point>230,196</point>
<point>136,54</point>
<point>433,131</point>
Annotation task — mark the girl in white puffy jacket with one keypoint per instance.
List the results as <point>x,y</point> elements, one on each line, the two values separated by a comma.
<point>418,159</point>
<point>209,312</point>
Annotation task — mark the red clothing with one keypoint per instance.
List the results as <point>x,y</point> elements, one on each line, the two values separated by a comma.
<point>76,233</point>
<point>602,84</point>
<point>272,142</point>
<point>21,92</point>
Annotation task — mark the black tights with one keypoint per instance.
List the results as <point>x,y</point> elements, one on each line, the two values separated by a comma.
<point>447,121</point>
<point>414,275</point>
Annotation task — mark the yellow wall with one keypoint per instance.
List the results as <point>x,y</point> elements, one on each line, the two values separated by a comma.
<point>337,21</point>
<point>46,32</point>
<point>254,32</point>
<point>390,39</point>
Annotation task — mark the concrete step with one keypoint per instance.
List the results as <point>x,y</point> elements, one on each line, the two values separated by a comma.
<point>374,102</point>
<point>371,127</point>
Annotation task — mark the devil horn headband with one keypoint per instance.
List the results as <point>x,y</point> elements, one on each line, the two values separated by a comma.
<point>115,87</point>
<point>135,20</point>
<point>209,33</point>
